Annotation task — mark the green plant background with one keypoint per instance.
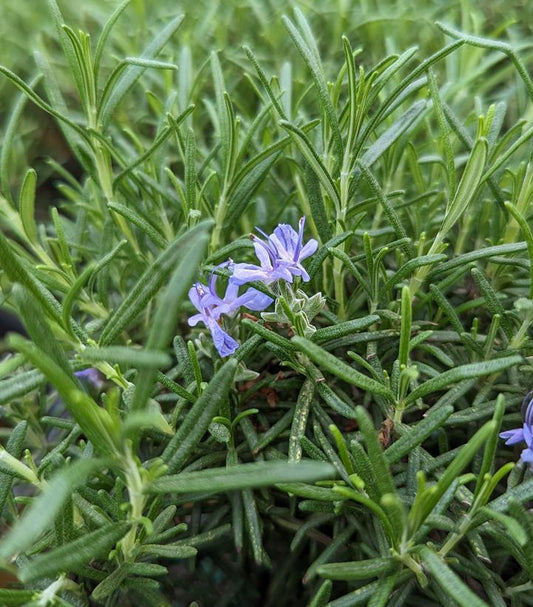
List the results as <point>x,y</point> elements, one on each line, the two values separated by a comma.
<point>359,466</point>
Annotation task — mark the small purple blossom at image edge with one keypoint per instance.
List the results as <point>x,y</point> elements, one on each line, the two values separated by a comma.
<point>525,433</point>
<point>280,256</point>
<point>90,376</point>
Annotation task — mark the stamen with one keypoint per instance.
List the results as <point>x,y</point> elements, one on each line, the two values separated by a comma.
<point>301,224</point>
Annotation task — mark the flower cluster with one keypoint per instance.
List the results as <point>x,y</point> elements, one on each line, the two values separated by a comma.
<point>280,257</point>
<point>525,433</point>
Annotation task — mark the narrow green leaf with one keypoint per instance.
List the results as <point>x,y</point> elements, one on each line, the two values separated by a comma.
<point>447,308</point>
<point>38,328</point>
<point>324,251</point>
<point>405,328</point>
<point>445,131</point>
<point>27,205</point>
<point>468,258</point>
<point>16,598</point>
<point>450,582</point>
<point>512,527</point>
<point>431,497</point>
<point>149,284</point>
<point>128,356</point>
<point>411,265</point>
<point>460,373</point>
<point>242,476</point>
<point>168,551</point>
<point>225,123</point>
<point>16,272</point>
<point>41,514</point>
<point>147,569</point>
<point>168,306</point>
<point>391,135</point>
<point>19,385</point>
<point>365,469</point>
<point>384,480</point>
<point>79,145</point>
<point>75,554</point>
<point>95,421</point>
<point>39,102</point>
<point>10,131</point>
<point>362,595</point>
<point>330,397</point>
<point>491,298</point>
<point>257,327</point>
<point>175,387</point>
<point>104,35</point>
<point>311,492</point>
<point>417,434</point>
<point>388,209</point>
<point>381,597</point>
<point>522,516</point>
<point>69,49</point>
<point>306,44</point>
<point>190,170</point>
<point>467,188</point>
<point>342,329</point>
<point>299,421</point>
<point>357,570</point>
<point>316,205</point>
<point>14,447</point>
<point>314,161</point>
<point>497,45</point>
<point>265,82</point>
<point>144,225</point>
<point>253,525</point>
<point>328,362</point>
<point>489,454</point>
<point>321,596</point>
<point>162,136</point>
<point>74,292</point>
<point>244,187</point>
<point>528,235</point>
<point>133,72</point>
<point>197,420</point>
<point>111,583</point>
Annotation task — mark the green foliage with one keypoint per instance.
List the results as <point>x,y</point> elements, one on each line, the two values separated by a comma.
<point>351,458</point>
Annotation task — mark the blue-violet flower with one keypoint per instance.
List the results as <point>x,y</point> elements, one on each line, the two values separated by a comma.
<point>525,433</point>
<point>90,377</point>
<point>211,307</point>
<point>280,256</point>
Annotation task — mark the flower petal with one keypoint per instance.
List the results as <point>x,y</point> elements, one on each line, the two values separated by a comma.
<point>286,240</point>
<point>225,344</point>
<point>513,436</point>
<point>195,295</point>
<point>264,253</point>
<point>246,272</point>
<point>527,456</point>
<point>194,320</point>
<point>528,435</point>
<point>255,300</point>
<point>310,247</point>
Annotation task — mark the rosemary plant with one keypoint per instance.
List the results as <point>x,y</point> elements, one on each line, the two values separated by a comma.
<point>266,275</point>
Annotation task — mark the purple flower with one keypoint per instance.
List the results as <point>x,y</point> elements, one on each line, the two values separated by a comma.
<point>211,307</point>
<point>280,256</point>
<point>524,434</point>
<point>91,377</point>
